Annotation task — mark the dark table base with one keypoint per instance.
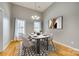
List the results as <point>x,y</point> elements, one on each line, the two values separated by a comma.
<point>38,45</point>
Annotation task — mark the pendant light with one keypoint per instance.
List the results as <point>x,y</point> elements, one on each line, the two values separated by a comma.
<point>35,17</point>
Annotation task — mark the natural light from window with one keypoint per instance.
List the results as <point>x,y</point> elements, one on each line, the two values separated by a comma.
<point>37,26</point>
<point>19,27</point>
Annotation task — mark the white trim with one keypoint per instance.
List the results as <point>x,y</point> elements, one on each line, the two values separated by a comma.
<point>66,45</point>
<point>6,45</point>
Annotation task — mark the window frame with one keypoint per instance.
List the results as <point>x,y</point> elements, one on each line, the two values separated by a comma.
<point>39,26</point>
<point>15,35</point>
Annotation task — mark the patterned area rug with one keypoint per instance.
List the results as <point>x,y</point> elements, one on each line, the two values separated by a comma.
<point>33,52</point>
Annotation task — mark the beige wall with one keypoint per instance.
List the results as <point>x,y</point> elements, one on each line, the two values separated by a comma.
<point>70,12</point>
<point>25,14</point>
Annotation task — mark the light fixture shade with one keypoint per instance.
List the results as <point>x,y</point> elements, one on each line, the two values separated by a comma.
<point>35,17</point>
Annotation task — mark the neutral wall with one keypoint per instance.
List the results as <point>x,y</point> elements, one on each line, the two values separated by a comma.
<point>4,41</point>
<point>25,14</point>
<point>69,35</point>
<point>1,31</point>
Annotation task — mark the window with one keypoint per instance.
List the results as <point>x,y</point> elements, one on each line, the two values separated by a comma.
<point>19,27</point>
<point>37,26</point>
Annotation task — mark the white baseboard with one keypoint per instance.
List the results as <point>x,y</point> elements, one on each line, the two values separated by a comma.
<point>6,45</point>
<point>66,45</point>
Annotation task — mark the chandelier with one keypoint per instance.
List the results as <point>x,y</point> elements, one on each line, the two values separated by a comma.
<point>35,17</point>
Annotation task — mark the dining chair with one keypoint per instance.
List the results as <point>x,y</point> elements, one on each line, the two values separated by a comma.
<point>27,45</point>
<point>51,46</point>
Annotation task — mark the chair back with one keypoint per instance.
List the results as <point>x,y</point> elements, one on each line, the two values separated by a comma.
<point>26,41</point>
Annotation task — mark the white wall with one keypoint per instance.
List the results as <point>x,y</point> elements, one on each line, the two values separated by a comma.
<point>1,31</point>
<point>5,25</point>
<point>69,35</point>
<point>6,31</point>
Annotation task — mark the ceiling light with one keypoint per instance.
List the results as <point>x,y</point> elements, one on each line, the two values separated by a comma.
<point>35,17</point>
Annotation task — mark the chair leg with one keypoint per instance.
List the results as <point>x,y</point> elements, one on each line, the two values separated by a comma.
<point>53,45</point>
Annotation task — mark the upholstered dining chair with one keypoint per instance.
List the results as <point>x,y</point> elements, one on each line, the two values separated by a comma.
<point>26,44</point>
<point>51,46</point>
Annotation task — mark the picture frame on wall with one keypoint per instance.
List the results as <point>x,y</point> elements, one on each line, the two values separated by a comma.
<point>50,24</point>
<point>56,23</point>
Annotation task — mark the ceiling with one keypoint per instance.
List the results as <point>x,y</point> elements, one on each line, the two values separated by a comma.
<point>38,6</point>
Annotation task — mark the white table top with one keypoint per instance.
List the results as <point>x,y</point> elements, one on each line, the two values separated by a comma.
<point>34,36</point>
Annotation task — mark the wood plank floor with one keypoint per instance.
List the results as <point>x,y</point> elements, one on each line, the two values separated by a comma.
<point>12,50</point>
<point>62,50</point>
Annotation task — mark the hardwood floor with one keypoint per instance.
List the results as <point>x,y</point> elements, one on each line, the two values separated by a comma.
<point>62,50</point>
<point>14,48</point>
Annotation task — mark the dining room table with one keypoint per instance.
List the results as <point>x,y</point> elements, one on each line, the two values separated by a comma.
<point>38,37</point>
